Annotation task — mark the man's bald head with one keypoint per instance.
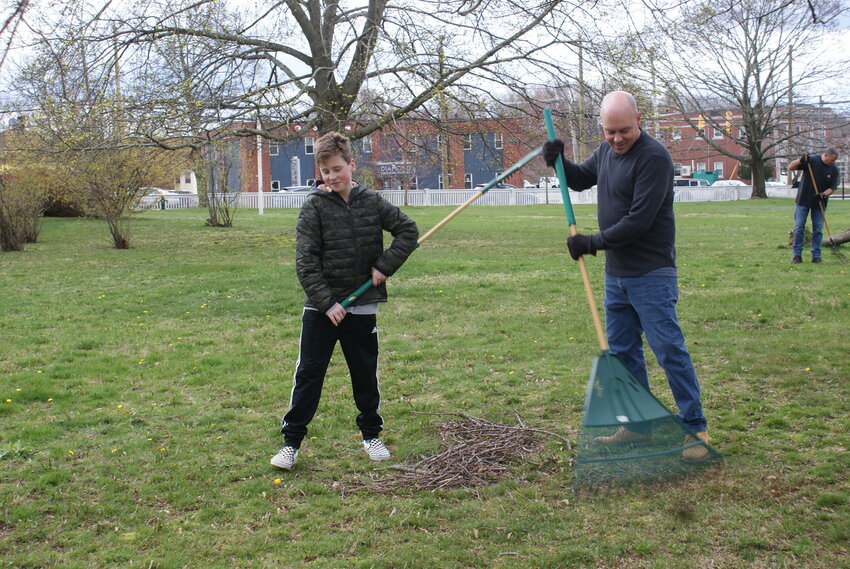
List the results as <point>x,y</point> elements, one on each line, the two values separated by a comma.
<point>620,120</point>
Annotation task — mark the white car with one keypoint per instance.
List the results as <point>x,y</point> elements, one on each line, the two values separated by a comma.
<point>729,183</point>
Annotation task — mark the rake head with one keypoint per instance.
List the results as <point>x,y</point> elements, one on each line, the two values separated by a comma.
<point>629,436</point>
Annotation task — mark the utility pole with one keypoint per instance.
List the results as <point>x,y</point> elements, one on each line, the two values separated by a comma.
<point>580,102</point>
<point>260,195</point>
<point>790,117</point>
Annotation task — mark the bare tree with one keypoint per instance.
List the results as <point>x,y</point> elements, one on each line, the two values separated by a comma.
<point>752,57</point>
<point>307,62</point>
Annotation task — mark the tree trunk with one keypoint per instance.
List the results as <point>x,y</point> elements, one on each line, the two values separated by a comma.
<point>757,173</point>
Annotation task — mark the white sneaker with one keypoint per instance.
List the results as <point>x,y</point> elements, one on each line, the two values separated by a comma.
<point>376,449</point>
<point>285,458</point>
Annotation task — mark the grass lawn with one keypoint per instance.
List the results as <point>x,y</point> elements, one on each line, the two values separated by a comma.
<point>141,393</point>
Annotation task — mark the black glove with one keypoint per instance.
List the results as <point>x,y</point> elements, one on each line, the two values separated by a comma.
<point>804,158</point>
<point>579,245</point>
<point>552,149</point>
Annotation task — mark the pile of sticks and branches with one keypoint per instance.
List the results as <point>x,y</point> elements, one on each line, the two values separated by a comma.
<point>478,453</point>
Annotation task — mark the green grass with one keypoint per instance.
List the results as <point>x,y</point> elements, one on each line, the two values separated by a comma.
<point>143,390</point>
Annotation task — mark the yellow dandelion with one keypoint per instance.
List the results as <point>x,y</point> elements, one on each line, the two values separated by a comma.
<point>119,406</point>
<point>18,389</point>
<point>277,480</point>
<point>8,401</point>
<point>70,452</point>
<point>510,373</point>
<point>161,449</point>
<point>808,369</point>
<point>39,371</point>
<point>49,399</point>
<point>114,450</point>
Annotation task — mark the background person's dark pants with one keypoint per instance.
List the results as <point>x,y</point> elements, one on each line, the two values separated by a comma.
<point>358,337</point>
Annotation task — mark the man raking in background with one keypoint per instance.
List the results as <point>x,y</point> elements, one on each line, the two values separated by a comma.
<point>812,196</point>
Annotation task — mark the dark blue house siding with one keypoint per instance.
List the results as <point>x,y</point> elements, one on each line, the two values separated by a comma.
<point>484,161</point>
<point>281,166</point>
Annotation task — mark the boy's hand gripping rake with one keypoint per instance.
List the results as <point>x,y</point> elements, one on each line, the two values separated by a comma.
<point>627,434</point>
<point>523,161</point>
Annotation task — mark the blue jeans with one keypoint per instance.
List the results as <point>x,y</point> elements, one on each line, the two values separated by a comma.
<point>647,305</point>
<point>800,215</point>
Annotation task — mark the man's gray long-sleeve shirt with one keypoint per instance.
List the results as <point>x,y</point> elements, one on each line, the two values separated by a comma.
<point>635,211</point>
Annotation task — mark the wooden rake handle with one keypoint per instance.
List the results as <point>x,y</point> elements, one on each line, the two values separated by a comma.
<point>522,162</point>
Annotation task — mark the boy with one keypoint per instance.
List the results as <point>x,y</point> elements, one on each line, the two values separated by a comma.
<point>339,245</point>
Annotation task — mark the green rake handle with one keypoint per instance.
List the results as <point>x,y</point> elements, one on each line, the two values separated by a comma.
<point>523,161</point>
<point>571,220</point>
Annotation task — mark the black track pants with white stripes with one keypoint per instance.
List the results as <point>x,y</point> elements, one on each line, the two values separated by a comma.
<point>358,338</point>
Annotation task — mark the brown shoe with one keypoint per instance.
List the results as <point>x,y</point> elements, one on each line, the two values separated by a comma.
<point>623,436</point>
<point>697,453</point>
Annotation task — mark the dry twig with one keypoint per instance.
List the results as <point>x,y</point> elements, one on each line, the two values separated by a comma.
<point>478,452</point>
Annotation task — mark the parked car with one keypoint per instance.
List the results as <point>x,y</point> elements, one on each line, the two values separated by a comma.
<point>729,183</point>
<point>297,189</point>
<point>690,182</point>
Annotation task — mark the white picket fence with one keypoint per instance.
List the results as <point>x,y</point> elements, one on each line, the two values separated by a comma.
<point>450,197</point>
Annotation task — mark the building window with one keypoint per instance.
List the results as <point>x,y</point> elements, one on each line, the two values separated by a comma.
<point>742,133</point>
<point>700,165</point>
<point>440,182</point>
<point>700,133</point>
<point>414,184</point>
<point>677,134</point>
<point>660,134</point>
<point>677,169</point>
<point>718,167</point>
<point>367,145</point>
<point>439,140</point>
<point>718,133</point>
<point>467,142</point>
<point>275,185</point>
<point>467,181</point>
<point>498,142</point>
<point>188,178</point>
<point>311,181</point>
<point>414,146</point>
<point>274,149</point>
<point>308,145</point>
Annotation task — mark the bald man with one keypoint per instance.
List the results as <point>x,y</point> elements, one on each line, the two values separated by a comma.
<point>634,176</point>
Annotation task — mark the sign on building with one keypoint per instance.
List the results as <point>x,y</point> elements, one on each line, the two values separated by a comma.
<point>394,169</point>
